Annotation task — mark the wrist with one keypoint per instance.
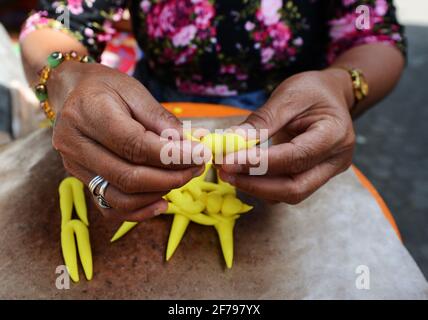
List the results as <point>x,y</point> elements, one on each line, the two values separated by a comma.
<point>343,81</point>
<point>62,81</point>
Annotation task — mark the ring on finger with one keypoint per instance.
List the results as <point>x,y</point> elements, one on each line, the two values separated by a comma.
<point>94,183</point>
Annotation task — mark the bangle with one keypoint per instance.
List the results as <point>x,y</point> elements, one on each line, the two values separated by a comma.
<point>53,61</point>
<point>360,86</point>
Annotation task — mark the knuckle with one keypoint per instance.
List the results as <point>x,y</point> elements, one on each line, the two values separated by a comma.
<point>58,140</point>
<point>350,139</point>
<point>127,181</point>
<point>248,187</point>
<point>295,193</point>
<point>71,109</point>
<point>300,159</point>
<point>125,203</point>
<point>135,150</point>
<point>167,117</point>
<point>261,118</point>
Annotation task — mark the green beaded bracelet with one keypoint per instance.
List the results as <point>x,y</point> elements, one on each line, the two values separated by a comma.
<point>53,61</point>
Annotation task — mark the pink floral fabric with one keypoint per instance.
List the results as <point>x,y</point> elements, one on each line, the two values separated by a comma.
<point>224,47</point>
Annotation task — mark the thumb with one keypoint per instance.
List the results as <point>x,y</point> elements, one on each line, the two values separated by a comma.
<point>269,118</point>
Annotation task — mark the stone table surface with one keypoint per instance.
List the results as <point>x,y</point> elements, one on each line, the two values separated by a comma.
<point>306,251</point>
<point>392,148</point>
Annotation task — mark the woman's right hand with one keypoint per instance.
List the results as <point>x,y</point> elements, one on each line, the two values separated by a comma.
<point>108,124</point>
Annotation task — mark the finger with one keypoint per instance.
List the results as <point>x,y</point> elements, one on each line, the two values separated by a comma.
<point>128,178</point>
<point>292,189</point>
<point>302,153</point>
<point>109,122</point>
<point>279,109</point>
<point>145,108</point>
<point>116,198</point>
<point>152,210</point>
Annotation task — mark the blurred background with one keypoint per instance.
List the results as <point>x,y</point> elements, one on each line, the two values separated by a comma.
<point>392,139</point>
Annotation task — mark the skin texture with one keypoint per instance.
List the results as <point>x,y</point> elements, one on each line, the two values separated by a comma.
<point>109,124</point>
<point>309,117</point>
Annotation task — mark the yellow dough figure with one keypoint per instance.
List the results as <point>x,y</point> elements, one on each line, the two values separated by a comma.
<point>71,195</point>
<point>203,202</point>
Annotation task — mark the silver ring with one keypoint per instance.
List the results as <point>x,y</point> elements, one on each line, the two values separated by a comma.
<point>103,188</point>
<point>103,202</point>
<point>93,184</point>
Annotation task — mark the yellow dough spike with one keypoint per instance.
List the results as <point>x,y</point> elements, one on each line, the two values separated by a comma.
<point>231,206</point>
<point>178,228</point>
<point>84,247</point>
<point>71,193</point>
<point>188,135</point>
<point>225,234</point>
<point>68,244</point>
<point>233,142</point>
<point>69,253</point>
<point>79,199</point>
<point>245,208</point>
<point>65,201</point>
<point>123,229</point>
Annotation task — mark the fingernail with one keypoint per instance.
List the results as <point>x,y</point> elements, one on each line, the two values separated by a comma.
<point>160,208</point>
<point>159,211</point>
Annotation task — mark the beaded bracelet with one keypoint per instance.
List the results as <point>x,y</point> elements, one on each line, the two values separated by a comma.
<point>53,61</point>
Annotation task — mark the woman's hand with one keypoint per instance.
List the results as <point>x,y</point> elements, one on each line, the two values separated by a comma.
<point>108,124</point>
<point>308,116</point>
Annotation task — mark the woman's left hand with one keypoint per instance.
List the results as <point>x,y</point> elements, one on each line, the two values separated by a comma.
<point>308,117</point>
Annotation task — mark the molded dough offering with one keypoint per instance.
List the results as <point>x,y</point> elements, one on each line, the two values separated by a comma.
<point>71,195</point>
<point>204,202</point>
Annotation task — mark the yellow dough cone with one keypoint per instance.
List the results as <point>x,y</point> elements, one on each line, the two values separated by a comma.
<point>178,228</point>
<point>79,200</point>
<point>68,244</point>
<point>71,193</point>
<point>214,142</point>
<point>234,142</point>
<point>65,201</point>
<point>225,234</point>
<point>123,229</point>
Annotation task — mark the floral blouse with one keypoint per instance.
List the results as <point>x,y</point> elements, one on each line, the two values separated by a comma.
<point>226,47</point>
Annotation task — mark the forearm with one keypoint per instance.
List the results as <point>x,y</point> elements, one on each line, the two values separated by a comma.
<point>382,66</point>
<point>39,44</point>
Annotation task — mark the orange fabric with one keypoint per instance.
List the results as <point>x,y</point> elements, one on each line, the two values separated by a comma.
<point>202,110</point>
<point>367,184</point>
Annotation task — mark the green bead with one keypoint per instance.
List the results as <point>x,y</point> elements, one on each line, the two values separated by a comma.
<point>41,92</point>
<point>55,59</point>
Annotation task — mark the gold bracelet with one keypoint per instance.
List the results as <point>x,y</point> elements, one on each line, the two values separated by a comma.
<point>359,83</point>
